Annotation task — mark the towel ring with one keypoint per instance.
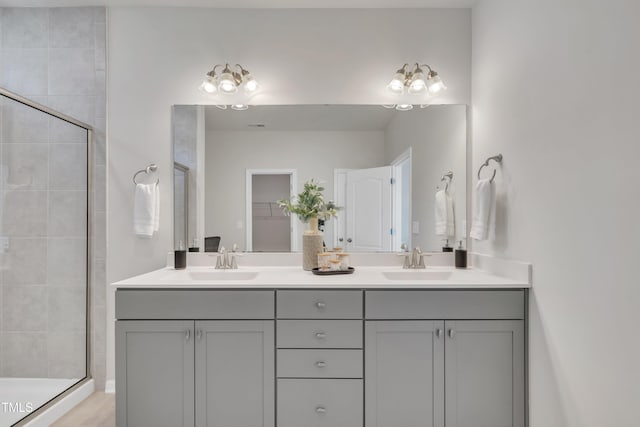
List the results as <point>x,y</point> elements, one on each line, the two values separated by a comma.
<point>444,178</point>
<point>151,168</point>
<point>497,158</point>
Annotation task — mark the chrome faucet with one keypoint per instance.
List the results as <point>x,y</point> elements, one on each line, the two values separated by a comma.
<point>226,261</point>
<point>413,260</point>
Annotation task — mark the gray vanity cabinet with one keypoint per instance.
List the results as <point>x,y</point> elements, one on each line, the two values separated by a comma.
<point>235,376</point>
<point>216,369</point>
<point>484,371</point>
<point>155,373</point>
<point>446,372</point>
<point>404,374</point>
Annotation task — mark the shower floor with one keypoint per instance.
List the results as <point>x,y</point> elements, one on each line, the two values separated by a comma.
<point>20,396</point>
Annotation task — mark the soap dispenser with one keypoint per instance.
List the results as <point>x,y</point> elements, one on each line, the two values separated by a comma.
<point>446,247</point>
<point>180,257</point>
<point>194,246</point>
<point>461,256</point>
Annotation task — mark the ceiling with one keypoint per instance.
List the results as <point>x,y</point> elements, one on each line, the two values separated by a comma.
<point>300,118</point>
<point>259,4</point>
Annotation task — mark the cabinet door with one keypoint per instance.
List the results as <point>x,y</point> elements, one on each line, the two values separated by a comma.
<point>235,374</point>
<point>404,374</point>
<point>484,373</point>
<point>154,373</point>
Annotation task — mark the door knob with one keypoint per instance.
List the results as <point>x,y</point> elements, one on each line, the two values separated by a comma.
<point>349,240</point>
<point>341,239</point>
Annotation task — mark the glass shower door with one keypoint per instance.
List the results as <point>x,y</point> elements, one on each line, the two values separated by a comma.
<point>43,255</point>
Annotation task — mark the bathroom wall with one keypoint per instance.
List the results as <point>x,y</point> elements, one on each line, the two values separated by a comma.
<point>439,144</point>
<point>57,57</point>
<point>555,91</point>
<point>157,57</point>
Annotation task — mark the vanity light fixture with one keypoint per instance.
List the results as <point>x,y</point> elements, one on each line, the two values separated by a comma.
<point>229,80</point>
<point>416,81</point>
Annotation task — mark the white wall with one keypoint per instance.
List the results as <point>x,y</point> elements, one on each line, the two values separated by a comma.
<point>314,155</point>
<point>438,140</point>
<point>157,57</point>
<point>555,90</point>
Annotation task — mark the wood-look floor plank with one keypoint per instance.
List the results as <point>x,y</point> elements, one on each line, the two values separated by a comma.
<point>97,410</point>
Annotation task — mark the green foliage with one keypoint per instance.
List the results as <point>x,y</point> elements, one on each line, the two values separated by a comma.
<point>310,204</point>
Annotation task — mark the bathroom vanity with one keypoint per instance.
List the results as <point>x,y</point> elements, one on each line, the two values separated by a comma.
<point>276,346</point>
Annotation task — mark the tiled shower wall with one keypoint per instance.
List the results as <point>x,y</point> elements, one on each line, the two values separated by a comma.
<point>56,57</point>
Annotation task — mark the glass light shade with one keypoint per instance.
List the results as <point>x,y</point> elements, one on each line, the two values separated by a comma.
<point>221,106</point>
<point>404,107</point>
<point>208,85</point>
<point>227,84</point>
<point>250,84</point>
<point>389,106</point>
<point>239,107</point>
<point>396,85</point>
<point>425,105</point>
<point>436,85</point>
<point>418,84</point>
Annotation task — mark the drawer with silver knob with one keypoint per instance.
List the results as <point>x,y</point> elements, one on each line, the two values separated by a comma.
<point>320,403</point>
<point>319,304</point>
<point>319,334</point>
<point>319,363</point>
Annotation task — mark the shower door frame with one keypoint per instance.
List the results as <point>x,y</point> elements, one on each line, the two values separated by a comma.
<point>89,265</point>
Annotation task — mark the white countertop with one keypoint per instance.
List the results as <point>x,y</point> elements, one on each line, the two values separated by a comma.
<point>294,277</point>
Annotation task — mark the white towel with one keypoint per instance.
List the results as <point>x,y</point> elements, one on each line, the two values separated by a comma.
<point>484,210</point>
<point>146,213</point>
<point>444,214</point>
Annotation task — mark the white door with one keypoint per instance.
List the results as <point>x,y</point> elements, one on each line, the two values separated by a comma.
<point>368,210</point>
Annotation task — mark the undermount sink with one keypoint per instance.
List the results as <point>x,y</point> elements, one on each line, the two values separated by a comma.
<point>417,275</point>
<point>223,275</point>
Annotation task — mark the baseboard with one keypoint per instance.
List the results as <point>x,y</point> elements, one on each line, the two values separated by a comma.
<point>110,387</point>
<point>61,407</point>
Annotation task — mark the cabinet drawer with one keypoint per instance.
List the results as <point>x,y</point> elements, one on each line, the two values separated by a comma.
<point>320,403</point>
<point>454,304</point>
<point>320,363</point>
<point>319,334</point>
<point>194,304</point>
<point>319,304</point>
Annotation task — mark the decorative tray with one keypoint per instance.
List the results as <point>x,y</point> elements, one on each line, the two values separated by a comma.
<point>319,272</point>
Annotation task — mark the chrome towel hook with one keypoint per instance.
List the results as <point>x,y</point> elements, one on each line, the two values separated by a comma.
<point>151,168</point>
<point>497,158</point>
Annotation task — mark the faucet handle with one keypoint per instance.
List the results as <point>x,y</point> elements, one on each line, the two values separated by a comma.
<point>218,262</point>
<point>234,264</point>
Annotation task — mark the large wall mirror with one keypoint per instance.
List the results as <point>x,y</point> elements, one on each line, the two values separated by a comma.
<point>382,166</point>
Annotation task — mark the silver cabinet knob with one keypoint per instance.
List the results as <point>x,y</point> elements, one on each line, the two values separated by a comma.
<point>349,240</point>
<point>438,332</point>
<point>321,335</point>
<point>321,410</point>
<point>321,364</point>
<point>199,334</point>
<point>187,335</point>
<point>452,333</point>
<point>321,305</point>
<point>341,239</point>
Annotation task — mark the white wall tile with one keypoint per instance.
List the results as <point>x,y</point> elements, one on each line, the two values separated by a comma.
<point>26,262</point>
<point>67,214</point>
<point>24,355</point>
<point>68,166</point>
<point>25,213</point>
<point>25,166</point>
<point>66,262</point>
<point>66,352</point>
<point>24,71</point>
<point>22,124</point>
<point>24,308</point>
<point>71,72</point>
<point>67,309</point>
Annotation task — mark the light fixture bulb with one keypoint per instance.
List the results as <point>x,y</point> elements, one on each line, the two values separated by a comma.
<point>435,83</point>
<point>208,85</point>
<point>250,84</point>
<point>221,106</point>
<point>239,107</point>
<point>404,107</point>
<point>227,83</point>
<point>396,85</point>
<point>418,84</point>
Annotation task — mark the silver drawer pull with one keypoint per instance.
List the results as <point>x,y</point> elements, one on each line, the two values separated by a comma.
<point>321,410</point>
<point>452,333</point>
<point>321,364</point>
<point>438,332</point>
<point>321,305</point>
<point>187,335</point>
<point>321,335</point>
<point>199,334</point>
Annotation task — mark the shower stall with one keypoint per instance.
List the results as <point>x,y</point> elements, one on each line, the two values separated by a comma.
<point>45,212</point>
